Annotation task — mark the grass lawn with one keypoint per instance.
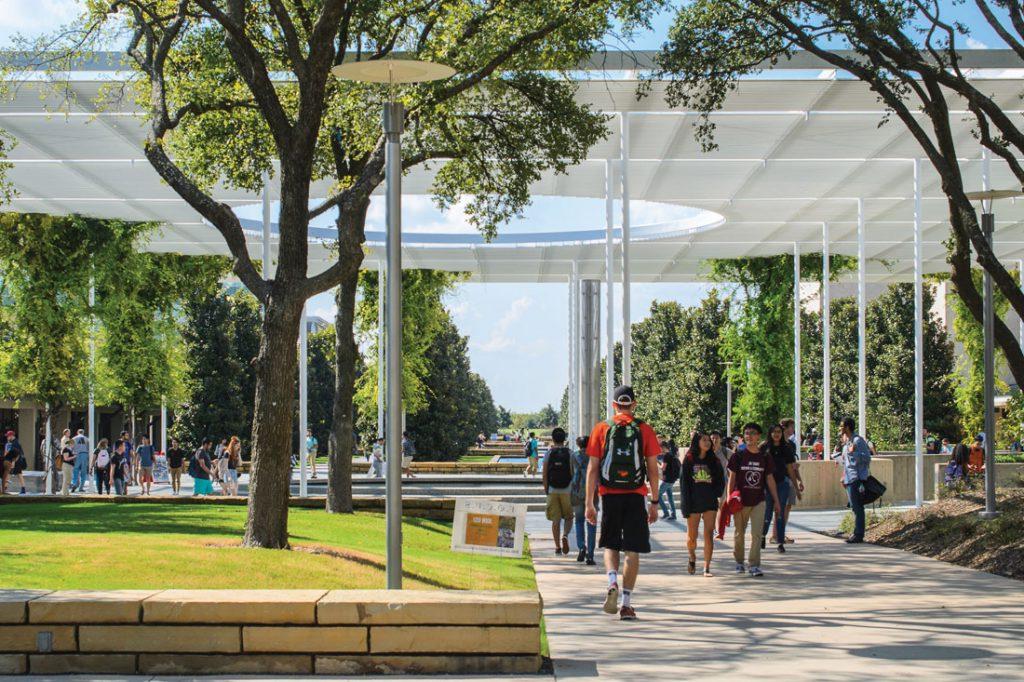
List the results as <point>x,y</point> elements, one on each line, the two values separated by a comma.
<point>95,545</point>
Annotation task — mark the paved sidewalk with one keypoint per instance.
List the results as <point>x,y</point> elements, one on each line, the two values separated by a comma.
<point>824,611</point>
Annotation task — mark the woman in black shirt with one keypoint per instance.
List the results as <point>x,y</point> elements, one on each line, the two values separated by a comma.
<point>702,483</point>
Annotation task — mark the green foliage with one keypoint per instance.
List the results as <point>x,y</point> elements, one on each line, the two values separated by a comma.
<point>45,262</point>
<point>890,367</point>
<point>458,404</point>
<point>759,342</point>
<point>969,379</point>
<point>676,374</point>
<point>504,418</point>
<point>423,318</point>
<point>216,405</point>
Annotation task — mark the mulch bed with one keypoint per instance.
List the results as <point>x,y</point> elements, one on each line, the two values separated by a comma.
<point>952,530</point>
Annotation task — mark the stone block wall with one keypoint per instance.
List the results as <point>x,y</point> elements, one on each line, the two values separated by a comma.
<point>300,632</point>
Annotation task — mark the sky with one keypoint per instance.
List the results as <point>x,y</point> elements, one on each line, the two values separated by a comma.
<point>517,333</point>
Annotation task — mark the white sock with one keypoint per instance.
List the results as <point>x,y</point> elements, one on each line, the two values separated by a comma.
<point>613,578</point>
<point>626,594</point>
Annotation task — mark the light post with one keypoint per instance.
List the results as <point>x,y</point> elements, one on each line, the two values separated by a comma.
<point>393,72</point>
<point>988,223</point>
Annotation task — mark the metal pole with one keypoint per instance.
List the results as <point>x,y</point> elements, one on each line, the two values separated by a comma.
<point>1020,280</point>
<point>381,306</point>
<point>918,344</point>
<point>570,363</point>
<point>987,228</point>
<point>393,118</point>
<point>988,223</point>
<point>609,257</point>
<point>303,404</point>
<point>590,352</point>
<point>862,302</point>
<point>574,347</point>
<point>826,352</point>
<point>627,336</point>
<point>268,258</point>
<point>796,343</point>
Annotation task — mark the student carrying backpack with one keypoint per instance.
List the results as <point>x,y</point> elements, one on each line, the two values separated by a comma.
<point>622,466</point>
<point>559,466</point>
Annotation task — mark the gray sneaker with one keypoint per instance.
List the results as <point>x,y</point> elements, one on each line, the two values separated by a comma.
<point>611,601</point>
<point>755,572</point>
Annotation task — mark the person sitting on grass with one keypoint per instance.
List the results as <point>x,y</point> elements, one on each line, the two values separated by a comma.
<point>557,477</point>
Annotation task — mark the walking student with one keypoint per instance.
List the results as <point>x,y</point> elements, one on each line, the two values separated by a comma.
<point>586,532</point>
<point>120,469</point>
<point>201,469</point>
<point>557,478</point>
<point>670,470</point>
<point>67,465</point>
<point>175,461</point>
<point>531,455</point>
<point>312,446</point>
<point>750,471</point>
<point>99,466</point>
<point>783,471</point>
<point>234,458</point>
<point>14,462</point>
<point>702,483</point>
<point>623,460</point>
<point>144,456</point>
<point>80,476</point>
<point>856,469</point>
<point>377,459</point>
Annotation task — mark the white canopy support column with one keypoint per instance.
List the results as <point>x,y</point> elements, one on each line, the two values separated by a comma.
<point>571,335</point>
<point>627,336</point>
<point>163,424</point>
<point>380,349</point>
<point>862,302</point>
<point>268,258</point>
<point>826,336</point>
<point>918,344</point>
<point>609,278</point>
<point>90,416</point>
<point>796,342</point>
<point>303,404</point>
<point>1020,325</point>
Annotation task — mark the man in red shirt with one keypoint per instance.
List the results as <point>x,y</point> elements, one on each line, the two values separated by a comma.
<point>623,461</point>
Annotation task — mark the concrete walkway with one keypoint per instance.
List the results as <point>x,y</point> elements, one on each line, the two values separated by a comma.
<point>824,611</point>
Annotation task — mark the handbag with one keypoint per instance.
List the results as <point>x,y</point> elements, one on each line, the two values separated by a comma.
<point>873,490</point>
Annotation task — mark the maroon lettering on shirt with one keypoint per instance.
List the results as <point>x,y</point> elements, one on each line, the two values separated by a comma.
<point>752,471</point>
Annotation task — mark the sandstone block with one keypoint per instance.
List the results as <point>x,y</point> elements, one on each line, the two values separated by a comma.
<point>13,664</point>
<point>160,638</point>
<point>429,607</point>
<point>14,604</point>
<point>198,664</point>
<point>427,665</point>
<point>89,606</point>
<point>71,664</point>
<point>434,639</point>
<point>26,637</point>
<point>312,639</point>
<point>233,606</point>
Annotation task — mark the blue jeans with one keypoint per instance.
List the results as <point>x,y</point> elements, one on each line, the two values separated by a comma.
<point>81,473</point>
<point>119,486</point>
<point>665,490</point>
<point>780,514</point>
<point>591,542</point>
<point>857,505</point>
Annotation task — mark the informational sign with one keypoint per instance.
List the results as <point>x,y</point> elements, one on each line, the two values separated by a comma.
<point>488,527</point>
<point>161,472</point>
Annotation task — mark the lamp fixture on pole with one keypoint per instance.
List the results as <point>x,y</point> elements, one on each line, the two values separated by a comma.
<point>393,72</point>
<point>988,223</point>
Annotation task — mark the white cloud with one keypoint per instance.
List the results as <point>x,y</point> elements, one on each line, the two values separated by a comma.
<point>31,17</point>
<point>975,44</point>
<point>459,309</point>
<point>500,338</point>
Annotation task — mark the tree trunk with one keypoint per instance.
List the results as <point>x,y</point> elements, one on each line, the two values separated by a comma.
<point>339,463</point>
<point>270,476</point>
<point>339,466</point>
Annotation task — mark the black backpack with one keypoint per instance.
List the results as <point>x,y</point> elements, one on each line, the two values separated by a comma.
<point>623,466</point>
<point>672,468</point>
<point>559,468</point>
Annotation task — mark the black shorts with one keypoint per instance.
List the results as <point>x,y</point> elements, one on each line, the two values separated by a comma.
<point>624,524</point>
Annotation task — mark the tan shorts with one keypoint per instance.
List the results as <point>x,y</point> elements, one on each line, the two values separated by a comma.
<point>559,506</point>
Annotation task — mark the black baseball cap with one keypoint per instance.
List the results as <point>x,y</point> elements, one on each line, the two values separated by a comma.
<point>624,396</point>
